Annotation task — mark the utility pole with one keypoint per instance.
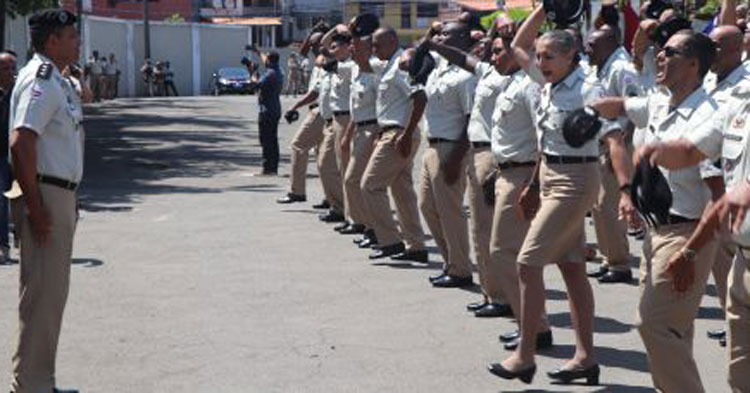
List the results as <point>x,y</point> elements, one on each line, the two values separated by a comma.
<point>146,31</point>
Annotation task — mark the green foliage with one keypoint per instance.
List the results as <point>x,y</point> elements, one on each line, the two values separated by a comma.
<point>708,10</point>
<point>15,8</point>
<point>515,14</point>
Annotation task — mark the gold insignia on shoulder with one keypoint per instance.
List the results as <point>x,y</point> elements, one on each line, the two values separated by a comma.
<point>739,122</point>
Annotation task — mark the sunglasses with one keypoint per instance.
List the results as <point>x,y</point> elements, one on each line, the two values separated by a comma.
<point>672,52</point>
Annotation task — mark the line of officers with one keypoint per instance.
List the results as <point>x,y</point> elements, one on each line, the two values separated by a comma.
<point>492,113</point>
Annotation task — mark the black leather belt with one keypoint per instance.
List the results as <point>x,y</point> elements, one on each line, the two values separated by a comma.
<point>366,123</point>
<point>329,121</point>
<point>480,145</point>
<point>550,159</point>
<point>511,164</point>
<point>675,219</point>
<point>57,182</point>
<point>313,106</point>
<point>390,128</point>
<point>437,141</point>
<point>340,113</point>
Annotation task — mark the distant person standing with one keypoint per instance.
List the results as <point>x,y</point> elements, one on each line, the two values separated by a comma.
<point>269,89</point>
<point>293,75</point>
<point>94,71</point>
<point>46,146</point>
<point>306,68</point>
<point>147,70</point>
<point>169,80</point>
<point>7,79</point>
<point>112,73</point>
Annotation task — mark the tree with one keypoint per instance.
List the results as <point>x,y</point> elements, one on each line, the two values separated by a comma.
<point>16,8</point>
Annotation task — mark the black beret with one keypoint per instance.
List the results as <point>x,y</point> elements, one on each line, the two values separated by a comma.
<point>51,19</point>
<point>563,12</point>
<point>364,25</point>
<point>650,194</point>
<point>421,65</point>
<point>665,30</point>
<point>291,116</point>
<point>656,7</point>
<point>580,126</point>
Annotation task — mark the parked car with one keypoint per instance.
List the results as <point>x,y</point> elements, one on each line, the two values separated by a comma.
<point>231,80</point>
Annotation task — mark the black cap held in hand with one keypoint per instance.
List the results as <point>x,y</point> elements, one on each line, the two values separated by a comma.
<point>51,19</point>
<point>650,194</point>
<point>364,25</point>
<point>291,116</point>
<point>581,126</point>
<point>421,65</point>
<point>672,25</point>
<point>656,7</point>
<point>563,12</point>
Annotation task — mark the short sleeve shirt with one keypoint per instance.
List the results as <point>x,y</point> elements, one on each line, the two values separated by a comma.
<point>689,192</point>
<point>324,95</point>
<point>314,84</point>
<point>47,104</point>
<point>364,93</point>
<point>393,103</point>
<point>341,82</point>
<point>619,77</point>
<point>513,131</point>
<point>489,83</point>
<point>557,102</point>
<point>450,98</point>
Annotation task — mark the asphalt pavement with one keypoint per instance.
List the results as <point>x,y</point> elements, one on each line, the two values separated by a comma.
<point>188,277</point>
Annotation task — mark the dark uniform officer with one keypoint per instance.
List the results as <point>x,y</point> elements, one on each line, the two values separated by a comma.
<point>47,159</point>
<point>269,88</point>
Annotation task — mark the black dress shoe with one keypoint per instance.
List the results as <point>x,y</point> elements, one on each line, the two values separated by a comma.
<point>412,255</point>
<point>616,276</point>
<point>723,342</point>
<point>340,227</point>
<point>448,281</point>
<point>543,341</point>
<point>494,310</point>
<point>602,270</point>
<point>526,375</point>
<point>368,243</point>
<point>510,336</point>
<point>474,306</point>
<point>322,205</point>
<point>437,277</point>
<point>57,390</point>
<point>291,198</point>
<point>331,216</point>
<point>353,229</point>
<point>717,334</point>
<point>386,251</point>
<point>567,376</point>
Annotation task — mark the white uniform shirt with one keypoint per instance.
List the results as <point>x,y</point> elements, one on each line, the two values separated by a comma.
<point>726,136</point>
<point>690,194</point>
<point>450,99</point>
<point>364,93</point>
<point>111,69</point>
<point>394,95</point>
<point>341,83</point>
<point>713,86</point>
<point>513,131</point>
<point>557,102</point>
<point>324,94</point>
<point>489,85</point>
<point>50,108</point>
<point>619,78</point>
<point>315,77</point>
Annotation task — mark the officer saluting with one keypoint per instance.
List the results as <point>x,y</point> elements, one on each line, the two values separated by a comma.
<point>46,146</point>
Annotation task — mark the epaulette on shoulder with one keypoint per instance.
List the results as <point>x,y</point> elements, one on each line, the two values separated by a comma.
<point>44,71</point>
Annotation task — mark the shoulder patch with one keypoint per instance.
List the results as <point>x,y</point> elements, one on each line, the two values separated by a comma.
<point>44,71</point>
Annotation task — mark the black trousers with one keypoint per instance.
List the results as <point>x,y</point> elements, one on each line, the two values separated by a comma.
<point>268,131</point>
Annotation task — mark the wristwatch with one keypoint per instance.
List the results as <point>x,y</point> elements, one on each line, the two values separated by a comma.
<point>689,254</point>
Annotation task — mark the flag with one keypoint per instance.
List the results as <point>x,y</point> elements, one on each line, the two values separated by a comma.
<point>631,24</point>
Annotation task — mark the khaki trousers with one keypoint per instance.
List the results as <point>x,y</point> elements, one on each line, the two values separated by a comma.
<point>725,251</point>
<point>557,233</point>
<point>481,163</point>
<point>441,205</point>
<point>363,145</point>
<point>388,168</point>
<point>328,167</point>
<point>339,128</point>
<point>611,232</point>
<point>508,233</point>
<point>738,325</point>
<point>44,282</point>
<point>665,318</point>
<point>309,136</point>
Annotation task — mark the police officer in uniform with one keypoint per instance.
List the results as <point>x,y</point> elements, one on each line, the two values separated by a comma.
<point>47,158</point>
<point>667,310</point>
<point>399,107</point>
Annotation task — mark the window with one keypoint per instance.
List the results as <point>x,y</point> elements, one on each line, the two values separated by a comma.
<point>405,15</point>
<point>426,13</point>
<point>372,7</point>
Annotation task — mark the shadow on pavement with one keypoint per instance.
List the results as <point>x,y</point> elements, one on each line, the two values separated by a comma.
<point>128,152</point>
<point>607,356</point>
<point>88,262</point>
<point>601,324</point>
